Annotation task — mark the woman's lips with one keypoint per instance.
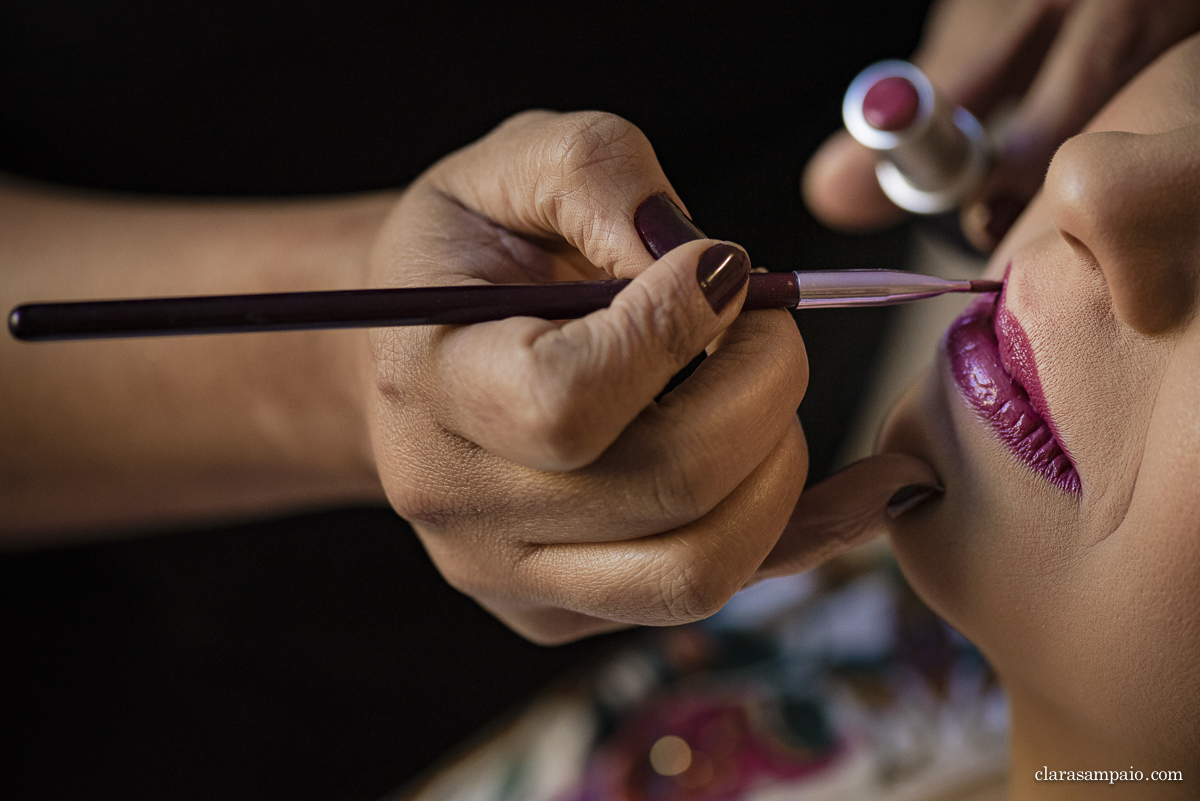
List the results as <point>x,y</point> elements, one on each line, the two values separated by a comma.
<point>992,363</point>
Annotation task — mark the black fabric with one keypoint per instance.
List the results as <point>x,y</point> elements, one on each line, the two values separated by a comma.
<point>322,656</point>
<point>314,657</point>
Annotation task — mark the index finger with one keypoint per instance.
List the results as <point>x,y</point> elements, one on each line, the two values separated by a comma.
<point>554,396</point>
<point>576,177</point>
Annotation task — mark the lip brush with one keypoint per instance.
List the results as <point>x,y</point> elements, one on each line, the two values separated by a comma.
<point>457,305</point>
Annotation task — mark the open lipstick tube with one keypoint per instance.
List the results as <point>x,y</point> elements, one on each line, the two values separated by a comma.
<point>932,153</point>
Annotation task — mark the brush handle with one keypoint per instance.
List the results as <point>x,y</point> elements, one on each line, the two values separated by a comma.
<point>356,308</point>
<point>455,305</point>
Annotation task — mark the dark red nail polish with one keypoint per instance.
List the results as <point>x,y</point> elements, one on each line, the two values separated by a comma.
<point>1002,212</point>
<point>663,226</point>
<point>722,271</point>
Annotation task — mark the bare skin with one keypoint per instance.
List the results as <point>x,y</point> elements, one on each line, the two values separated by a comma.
<point>590,505</point>
<point>1087,605</point>
<point>530,456</point>
<point>1058,61</point>
<point>112,435</point>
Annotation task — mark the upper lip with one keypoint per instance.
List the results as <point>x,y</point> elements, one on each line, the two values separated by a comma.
<point>992,362</point>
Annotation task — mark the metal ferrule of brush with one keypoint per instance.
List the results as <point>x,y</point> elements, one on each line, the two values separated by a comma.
<point>833,288</point>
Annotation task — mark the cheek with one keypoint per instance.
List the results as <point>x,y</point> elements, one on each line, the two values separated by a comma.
<point>1109,626</point>
<point>1099,378</point>
<point>1143,607</point>
<point>1123,656</point>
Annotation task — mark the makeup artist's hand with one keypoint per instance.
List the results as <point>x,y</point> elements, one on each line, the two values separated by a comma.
<point>531,456</point>
<point>1059,60</point>
<point>850,508</point>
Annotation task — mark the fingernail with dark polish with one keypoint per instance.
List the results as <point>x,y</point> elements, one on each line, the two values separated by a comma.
<point>1002,212</point>
<point>663,226</point>
<point>722,271</point>
<point>908,498</point>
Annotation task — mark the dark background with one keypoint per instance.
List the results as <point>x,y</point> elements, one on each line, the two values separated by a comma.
<point>322,656</point>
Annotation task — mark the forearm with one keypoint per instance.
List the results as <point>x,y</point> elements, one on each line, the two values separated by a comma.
<point>144,432</point>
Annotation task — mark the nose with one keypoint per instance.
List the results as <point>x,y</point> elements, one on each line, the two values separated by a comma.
<point>1130,203</point>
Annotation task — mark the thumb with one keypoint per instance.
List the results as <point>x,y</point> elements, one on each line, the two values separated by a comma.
<point>554,396</point>
<point>849,508</point>
<point>841,190</point>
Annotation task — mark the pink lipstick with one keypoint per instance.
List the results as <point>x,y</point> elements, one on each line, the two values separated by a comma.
<point>992,364</point>
<point>932,153</point>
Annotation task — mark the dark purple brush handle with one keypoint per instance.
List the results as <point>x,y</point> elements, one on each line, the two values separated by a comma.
<point>356,308</point>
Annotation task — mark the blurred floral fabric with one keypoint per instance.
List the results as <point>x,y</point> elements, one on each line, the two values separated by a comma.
<point>838,684</point>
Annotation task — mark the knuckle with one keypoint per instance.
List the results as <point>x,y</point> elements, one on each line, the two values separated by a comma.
<point>693,589</point>
<point>530,118</point>
<point>556,431</point>
<point>586,151</point>
<point>431,481</point>
<point>410,496</point>
<point>678,334</point>
<point>555,415</point>
<point>642,325</point>
<point>477,566</point>
<point>587,139</point>
<point>797,447</point>
<point>679,494</point>
<point>520,126</point>
<point>429,509</point>
<point>558,439</point>
<point>463,574</point>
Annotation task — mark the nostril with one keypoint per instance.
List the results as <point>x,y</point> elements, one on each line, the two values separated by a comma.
<point>1118,201</point>
<point>1156,299</point>
<point>1081,250</point>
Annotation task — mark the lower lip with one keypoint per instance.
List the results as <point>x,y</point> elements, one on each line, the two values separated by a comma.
<point>999,398</point>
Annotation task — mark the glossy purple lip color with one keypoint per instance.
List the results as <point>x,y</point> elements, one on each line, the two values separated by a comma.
<point>992,363</point>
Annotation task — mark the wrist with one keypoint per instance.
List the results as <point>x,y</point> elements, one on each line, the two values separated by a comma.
<point>336,443</point>
<point>142,433</point>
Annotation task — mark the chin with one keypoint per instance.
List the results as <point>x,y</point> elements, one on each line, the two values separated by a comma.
<point>935,543</point>
<point>979,554</point>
